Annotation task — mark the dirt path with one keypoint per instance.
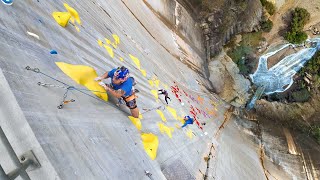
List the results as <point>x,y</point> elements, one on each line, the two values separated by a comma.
<point>279,18</point>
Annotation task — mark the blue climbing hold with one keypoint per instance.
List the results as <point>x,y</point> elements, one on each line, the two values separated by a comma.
<point>53,52</point>
<point>7,2</point>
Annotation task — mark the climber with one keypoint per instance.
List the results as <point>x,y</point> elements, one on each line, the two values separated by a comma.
<point>187,120</point>
<point>121,87</point>
<point>165,93</point>
<point>7,2</point>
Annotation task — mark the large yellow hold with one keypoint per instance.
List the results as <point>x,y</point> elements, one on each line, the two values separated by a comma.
<point>84,75</point>
<point>136,122</point>
<point>166,129</point>
<point>150,144</point>
<point>62,18</point>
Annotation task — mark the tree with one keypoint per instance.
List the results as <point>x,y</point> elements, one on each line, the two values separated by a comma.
<point>300,17</point>
<point>267,25</point>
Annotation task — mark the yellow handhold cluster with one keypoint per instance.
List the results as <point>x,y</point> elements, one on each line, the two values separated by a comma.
<point>150,144</point>
<point>62,18</point>
<point>161,115</point>
<point>167,130</point>
<point>136,122</point>
<point>113,44</point>
<point>84,75</point>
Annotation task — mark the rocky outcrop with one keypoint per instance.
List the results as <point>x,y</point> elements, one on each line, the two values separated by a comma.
<point>295,114</point>
<point>226,80</point>
<point>224,19</point>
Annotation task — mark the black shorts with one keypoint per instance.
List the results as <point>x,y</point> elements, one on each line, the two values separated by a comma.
<point>131,104</point>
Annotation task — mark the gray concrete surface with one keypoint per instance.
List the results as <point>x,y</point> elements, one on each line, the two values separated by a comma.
<point>89,139</point>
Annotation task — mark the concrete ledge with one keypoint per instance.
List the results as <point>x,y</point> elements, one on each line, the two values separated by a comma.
<point>20,135</point>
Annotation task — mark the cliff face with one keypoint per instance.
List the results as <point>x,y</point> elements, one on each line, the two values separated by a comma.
<point>223,19</point>
<point>226,80</point>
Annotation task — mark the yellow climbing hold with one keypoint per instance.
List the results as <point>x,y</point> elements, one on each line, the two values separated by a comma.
<point>161,115</point>
<point>189,133</point>
<point>173,112</point>
<point>155,93</point>
<point>114,45</point>
<point>100,42</point>
<point>157,82</point>
<point>62,18</point>
<point>144,73</point>
<point>150,82</point>
<point>77,28</point>
<point>181,119</point>
<point>135,60</point>
<point>84,75</point>
<point>167,130</point>
<point>116,39</point>
<point>109,50</point>
<point>121,59</point>
<point>136,122</point>
<point>107,41</point>
<point>73,13</point>
<point>150,144</point>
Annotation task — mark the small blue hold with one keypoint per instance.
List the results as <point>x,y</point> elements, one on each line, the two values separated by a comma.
<point>53,52</point>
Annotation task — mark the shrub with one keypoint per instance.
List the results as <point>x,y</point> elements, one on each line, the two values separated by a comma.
<point>315,130</point>
<point>301,96</point>
<point>267,25</point>
<point>271,9</point>
<point>296,35</point>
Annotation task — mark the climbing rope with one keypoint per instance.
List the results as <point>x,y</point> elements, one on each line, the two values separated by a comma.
<point>69,88</point>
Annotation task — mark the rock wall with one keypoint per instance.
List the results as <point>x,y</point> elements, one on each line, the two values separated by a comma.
<point>226,19</point>
<point>226,80</point>
<point>294,114</point>
<point>181,17</point>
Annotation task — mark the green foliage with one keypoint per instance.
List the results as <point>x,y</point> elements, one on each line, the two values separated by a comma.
<point>313,68</point>
<point>296,35</point>
<point>271,9</point>
<point>267,25</point>
<point>243,68</point>
<point>315,130</point>
<point>301,96</point>
<point>238,52</point>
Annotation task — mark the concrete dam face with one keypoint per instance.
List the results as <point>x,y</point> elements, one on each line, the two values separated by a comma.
<point>57,122</point>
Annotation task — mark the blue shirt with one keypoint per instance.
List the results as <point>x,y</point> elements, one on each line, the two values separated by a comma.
<point>188,121</point>
<point>125,86</point>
